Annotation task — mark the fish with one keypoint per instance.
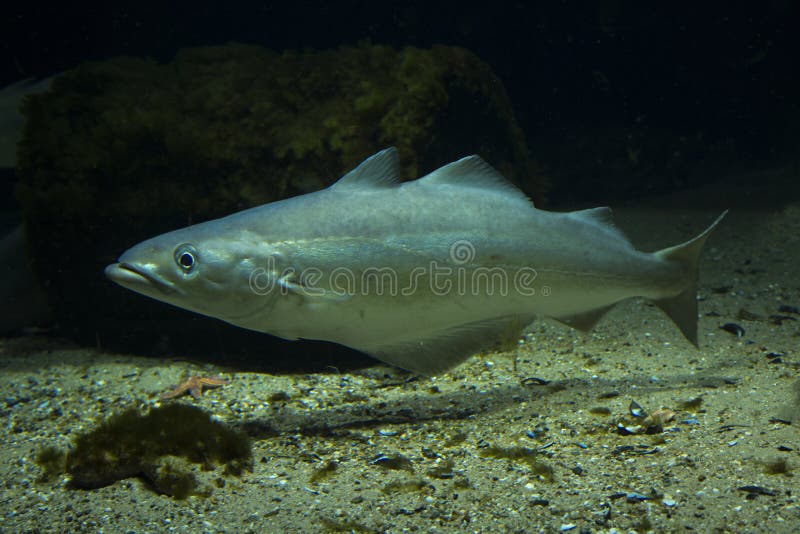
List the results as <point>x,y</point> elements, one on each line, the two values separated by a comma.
<point>419,274</point>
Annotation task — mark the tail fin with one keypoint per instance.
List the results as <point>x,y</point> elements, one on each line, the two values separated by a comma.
<point>682,308</point>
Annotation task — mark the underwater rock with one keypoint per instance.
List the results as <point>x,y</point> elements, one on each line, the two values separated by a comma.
<point>123,149</point>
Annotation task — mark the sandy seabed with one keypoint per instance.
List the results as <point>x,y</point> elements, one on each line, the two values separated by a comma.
<point>487,447</point>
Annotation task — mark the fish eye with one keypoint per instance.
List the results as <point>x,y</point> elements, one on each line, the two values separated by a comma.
<point>186,257</point>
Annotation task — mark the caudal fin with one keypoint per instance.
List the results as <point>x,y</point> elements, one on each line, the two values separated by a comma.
<point>682,308</point>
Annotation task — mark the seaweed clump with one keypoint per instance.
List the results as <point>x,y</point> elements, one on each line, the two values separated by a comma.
<point>160,445</point>
<point>524,455</point>
<point>52,461</point>
<point>324,472</point>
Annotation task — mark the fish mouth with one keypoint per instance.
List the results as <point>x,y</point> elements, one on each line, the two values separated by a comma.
<point>137,278</point>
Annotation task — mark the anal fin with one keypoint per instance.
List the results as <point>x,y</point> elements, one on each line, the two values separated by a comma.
<point>584,321</point>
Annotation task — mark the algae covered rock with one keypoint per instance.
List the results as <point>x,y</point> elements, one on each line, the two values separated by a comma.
<point>122,150</point>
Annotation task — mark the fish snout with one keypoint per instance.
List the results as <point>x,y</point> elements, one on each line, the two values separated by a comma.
<point>137,278</point>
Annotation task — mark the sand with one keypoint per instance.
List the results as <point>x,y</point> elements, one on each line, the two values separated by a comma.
<point>528,440</point>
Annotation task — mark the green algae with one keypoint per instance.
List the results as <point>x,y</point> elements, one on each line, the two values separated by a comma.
<point>414,485</point>
<point>523,455</point>
<point>53,463</point>
<point>325,472</point>
<point>444,470</point>
<point>162,445</point>
<point>395,462</point>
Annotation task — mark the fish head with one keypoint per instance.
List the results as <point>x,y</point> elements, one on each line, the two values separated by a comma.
<point>196,269</point>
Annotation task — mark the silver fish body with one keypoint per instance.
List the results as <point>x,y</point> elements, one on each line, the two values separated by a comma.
<point>418,274</point>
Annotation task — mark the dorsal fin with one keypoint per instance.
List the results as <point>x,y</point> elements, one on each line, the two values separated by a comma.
<point>472,171</point>
<point>379,170</point>
<point>602,215</point>
<point>602,218</point>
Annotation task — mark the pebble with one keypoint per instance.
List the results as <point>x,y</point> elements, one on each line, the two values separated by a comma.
<point>635,497</point>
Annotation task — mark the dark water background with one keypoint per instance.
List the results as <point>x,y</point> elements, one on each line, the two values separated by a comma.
<point>713,83</point>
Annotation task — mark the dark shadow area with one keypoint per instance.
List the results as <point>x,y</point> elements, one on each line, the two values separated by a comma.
<point>416,401</point>
<point>206,340</point>
<point>422,405</point>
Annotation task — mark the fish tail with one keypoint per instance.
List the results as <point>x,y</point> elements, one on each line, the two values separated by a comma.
<point>682,308</point>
